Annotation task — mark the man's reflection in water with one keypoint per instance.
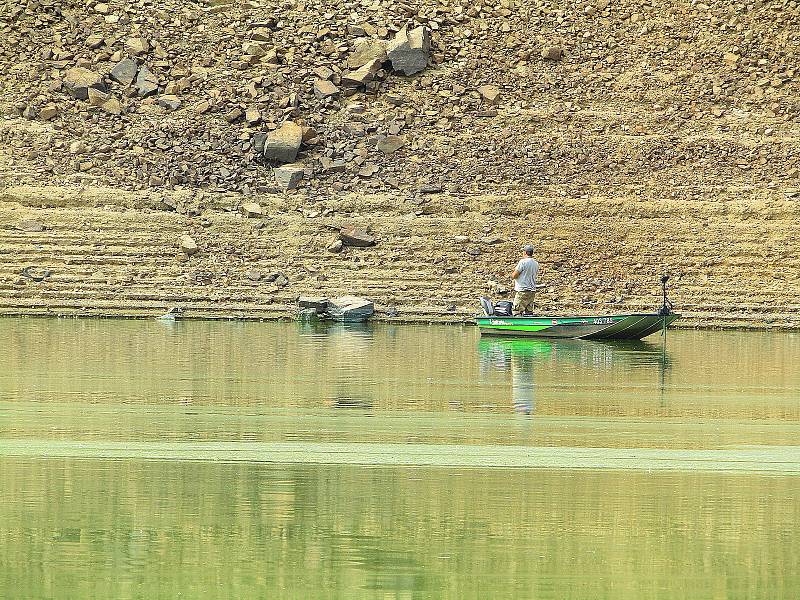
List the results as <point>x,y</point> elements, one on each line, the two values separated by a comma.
<point>523,388</point>
<point>517,356</point>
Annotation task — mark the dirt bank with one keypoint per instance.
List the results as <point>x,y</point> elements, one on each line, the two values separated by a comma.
<point>622,139</point>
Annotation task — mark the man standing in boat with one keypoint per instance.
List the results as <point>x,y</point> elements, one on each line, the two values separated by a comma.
<point>524,277</point>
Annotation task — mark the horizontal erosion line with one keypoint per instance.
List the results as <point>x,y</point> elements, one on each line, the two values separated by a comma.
<point>751,459</point>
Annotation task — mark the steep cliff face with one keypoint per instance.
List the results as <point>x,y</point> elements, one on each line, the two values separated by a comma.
<point>622,139</point>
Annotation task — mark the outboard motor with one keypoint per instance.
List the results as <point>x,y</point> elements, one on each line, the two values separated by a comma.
<point>503,308</point>
<point>666,307</point>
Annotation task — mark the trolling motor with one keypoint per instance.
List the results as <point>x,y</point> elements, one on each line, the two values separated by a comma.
<point>666,306</point>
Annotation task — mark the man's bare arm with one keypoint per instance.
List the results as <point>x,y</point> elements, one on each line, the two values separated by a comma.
<point>515,274</point>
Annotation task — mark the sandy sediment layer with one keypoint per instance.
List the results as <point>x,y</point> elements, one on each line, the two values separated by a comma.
<point>111,253</point>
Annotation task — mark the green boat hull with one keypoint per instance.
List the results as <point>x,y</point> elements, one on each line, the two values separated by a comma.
<point>614,327</point>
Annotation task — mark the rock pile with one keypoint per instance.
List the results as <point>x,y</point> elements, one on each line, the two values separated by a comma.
<point>456,97</point>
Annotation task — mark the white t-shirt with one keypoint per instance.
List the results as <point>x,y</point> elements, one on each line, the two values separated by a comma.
<point>528,269</point>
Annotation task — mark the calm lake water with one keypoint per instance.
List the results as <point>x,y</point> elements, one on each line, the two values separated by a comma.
<point>141,459</point>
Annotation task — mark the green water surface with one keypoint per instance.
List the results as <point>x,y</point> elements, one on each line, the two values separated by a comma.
<point>142,459</point>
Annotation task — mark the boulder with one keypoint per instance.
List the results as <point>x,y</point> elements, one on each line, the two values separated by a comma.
<point>146,82</point>
<point>409,50</point>
<point>317,303</point>
<point>288,177</point>
<point>367,51</point>
<point>251,210</point>
<point>124,71</point>
<point>351,236</point>
<point>188,245</point>
<point>283,144</point>
<point>78,80</point>
<point>350,309</point>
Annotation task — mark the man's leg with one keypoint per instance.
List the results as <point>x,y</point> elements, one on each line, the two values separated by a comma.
<point>527,305</point>
<point>516,307</point>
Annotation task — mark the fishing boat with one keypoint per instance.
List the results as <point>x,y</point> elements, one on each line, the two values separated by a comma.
<point>634,326</point>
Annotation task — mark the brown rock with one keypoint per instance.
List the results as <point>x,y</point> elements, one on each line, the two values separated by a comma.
<point>188,245</point>
<point>48,112</point>
<point>137,46</point>
<point>283,144</point>
<point>324,88</point>
<point>78,80</point>
<point>351,236</point>
<point>361,76</point>
<point>366,51</point>
<point>552,52</point>
<point>391,143</point>
<point>251,210</point>
<point>490,93</point>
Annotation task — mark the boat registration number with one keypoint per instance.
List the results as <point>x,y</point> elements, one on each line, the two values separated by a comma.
<point>603,321</point>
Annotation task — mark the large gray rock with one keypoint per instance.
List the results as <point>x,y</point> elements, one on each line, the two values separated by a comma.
<point>146,82</point>
<point>409,50</point>
<point>350,309</point>
<point>78,80</point>
<point>283,144</point>
<point>124,71</point>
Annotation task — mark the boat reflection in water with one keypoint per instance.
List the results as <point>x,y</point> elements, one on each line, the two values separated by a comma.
<point>555,363</point>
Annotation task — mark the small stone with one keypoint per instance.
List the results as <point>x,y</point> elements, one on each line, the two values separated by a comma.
<point>137,45</point>
<point>288,177</point>
<point>351,236</point>
<point>409,50</point>
<point>48,112</point>
<point>490,93</point>
<point>252,116</point>
<point>188,245</point>
<point>280,280</point>
<point>94,41</point>
<point>77,147</point>
<point>146,82</point>
<point>283,144</point>
<point>324,88</point>
<point>78,80</point>
<point>335,247</point>
<point>252,210</point>
<point>124,71</point>
<point>552,52</point>
<point>254,275</point>
<point>391,143</point>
